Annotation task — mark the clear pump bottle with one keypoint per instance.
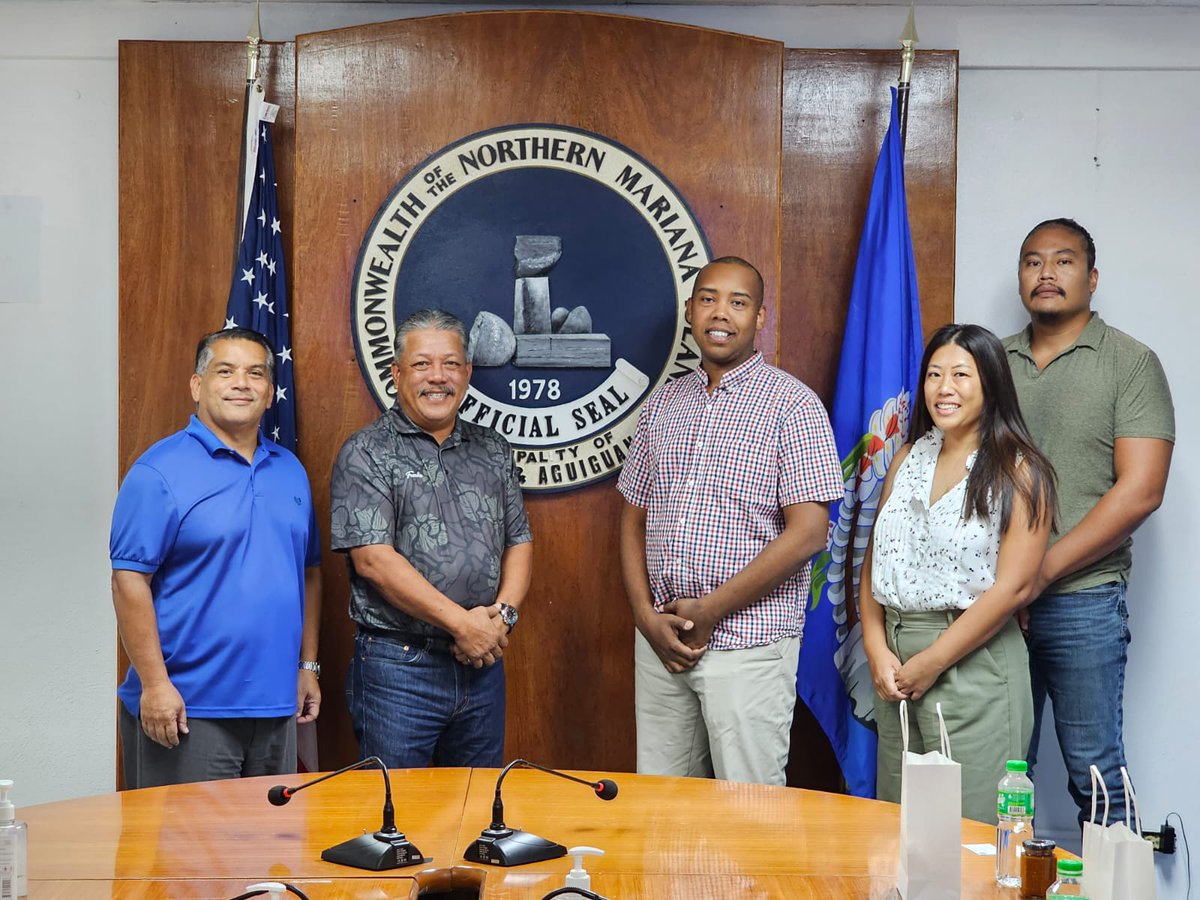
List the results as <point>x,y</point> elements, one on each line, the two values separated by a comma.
<point>578,877</point>
<point>13,878</point>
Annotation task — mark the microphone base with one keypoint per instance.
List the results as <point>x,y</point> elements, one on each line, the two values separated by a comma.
<point>512,848</point>
<point>375,852</point>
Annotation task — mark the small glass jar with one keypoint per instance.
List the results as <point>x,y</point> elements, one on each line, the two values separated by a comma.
<point>1037,867</point>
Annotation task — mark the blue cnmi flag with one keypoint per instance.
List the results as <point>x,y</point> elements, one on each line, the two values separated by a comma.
<point>258,297</point>
<point>877,376</point>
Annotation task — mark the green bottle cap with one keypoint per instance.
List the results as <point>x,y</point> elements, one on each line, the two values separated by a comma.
<point>1072,867</point>
<point>1017,765</point>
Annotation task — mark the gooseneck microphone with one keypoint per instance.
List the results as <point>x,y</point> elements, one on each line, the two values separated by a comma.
<point>387,848</point>
<point>605,788</point>
<point>281,794</point>
<point>499,845</point>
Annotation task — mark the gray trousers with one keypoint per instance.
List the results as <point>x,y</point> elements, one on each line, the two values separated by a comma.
<point>212,749</point>
<point>729,716</point>
<point>986,701</point>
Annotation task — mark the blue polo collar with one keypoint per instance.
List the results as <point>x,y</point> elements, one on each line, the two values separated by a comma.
<point>214,445</point>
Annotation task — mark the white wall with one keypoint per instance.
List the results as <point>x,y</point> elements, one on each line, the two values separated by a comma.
<point>1085,111</point>
<point>1119,152</point>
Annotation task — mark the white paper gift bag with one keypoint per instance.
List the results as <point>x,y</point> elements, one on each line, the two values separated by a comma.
<point>1118,863</point>
<point>1097,854</point>
<point>930,820</point>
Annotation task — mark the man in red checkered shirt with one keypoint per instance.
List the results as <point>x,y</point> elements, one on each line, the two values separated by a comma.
<point>727,490</point>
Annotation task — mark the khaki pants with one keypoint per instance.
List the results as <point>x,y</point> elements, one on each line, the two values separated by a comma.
<point>986,702</point>
<point>729,716</point>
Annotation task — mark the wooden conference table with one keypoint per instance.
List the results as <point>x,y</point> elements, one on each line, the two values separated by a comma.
<point>664,838</point>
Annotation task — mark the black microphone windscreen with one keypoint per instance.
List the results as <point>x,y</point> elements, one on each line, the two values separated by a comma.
<point>606,789</point>
<point>279,795</point>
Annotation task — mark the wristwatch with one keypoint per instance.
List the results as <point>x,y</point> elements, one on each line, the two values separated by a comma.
<point>509,614</point>
<point>314,667</point>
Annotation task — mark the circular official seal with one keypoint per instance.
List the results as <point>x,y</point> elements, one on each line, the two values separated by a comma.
<point>569,258</point>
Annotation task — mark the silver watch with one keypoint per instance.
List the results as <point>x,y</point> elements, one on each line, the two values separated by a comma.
<point>509,614</point>
<point>314,667</point>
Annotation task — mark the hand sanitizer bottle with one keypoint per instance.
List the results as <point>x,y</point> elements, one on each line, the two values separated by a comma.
<point>578,877</point>
<point>274,889</point>
<point>13,880</point>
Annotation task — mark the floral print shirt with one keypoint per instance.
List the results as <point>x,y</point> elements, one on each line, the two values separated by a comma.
<point>450,510</point>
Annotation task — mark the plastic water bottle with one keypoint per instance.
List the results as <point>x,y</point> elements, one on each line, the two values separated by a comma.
<point>1070,880</point>
<point>1014,821</point>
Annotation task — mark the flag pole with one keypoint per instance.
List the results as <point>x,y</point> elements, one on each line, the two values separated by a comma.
<point>876,383</point>
<point>249,121</point>
<point>258,298</point>
<point>908,40</point>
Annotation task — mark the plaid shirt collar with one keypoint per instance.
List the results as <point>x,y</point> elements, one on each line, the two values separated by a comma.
<point>735,377</point>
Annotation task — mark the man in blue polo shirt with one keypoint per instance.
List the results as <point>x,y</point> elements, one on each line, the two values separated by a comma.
<point>216,585</point>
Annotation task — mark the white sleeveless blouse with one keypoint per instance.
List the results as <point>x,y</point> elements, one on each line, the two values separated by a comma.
<point>927,557</point>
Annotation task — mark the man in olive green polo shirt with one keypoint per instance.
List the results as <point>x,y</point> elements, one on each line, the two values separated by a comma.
<point>1098,404</point>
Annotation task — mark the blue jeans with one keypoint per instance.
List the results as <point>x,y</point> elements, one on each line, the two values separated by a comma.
<point>413,705</point>
<point>1077,652</point>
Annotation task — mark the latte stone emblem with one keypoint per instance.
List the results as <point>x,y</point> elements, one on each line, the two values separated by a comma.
<point>570,258</point>
<point>556,339</point>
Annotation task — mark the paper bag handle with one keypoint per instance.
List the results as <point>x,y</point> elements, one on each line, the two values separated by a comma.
<point>1131,800</point>
<point>945,735</point>
<point>1097,778</point>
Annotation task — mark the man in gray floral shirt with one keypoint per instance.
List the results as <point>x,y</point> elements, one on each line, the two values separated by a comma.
<point>428,508</point>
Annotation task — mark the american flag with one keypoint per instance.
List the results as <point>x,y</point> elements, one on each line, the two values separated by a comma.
<point>258,297</point>
<point>258,300</point>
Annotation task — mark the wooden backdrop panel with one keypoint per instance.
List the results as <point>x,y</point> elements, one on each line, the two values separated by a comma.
<point>180,132</point>
<point>180,120</point>
<point>374,101</point>
<point>835,113</point>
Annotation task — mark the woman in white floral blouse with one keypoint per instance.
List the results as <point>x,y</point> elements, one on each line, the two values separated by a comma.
<point>968,505</point>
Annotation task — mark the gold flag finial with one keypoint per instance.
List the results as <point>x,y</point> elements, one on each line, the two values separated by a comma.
<point>908,39</point>
<point>908,55</point>
<point>253,39</point>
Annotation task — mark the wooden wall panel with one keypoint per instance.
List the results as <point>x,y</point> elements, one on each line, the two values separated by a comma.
<point>180,133</point>
<point>835,113</point>
<point>180,115</point>
<point>374,101</point>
